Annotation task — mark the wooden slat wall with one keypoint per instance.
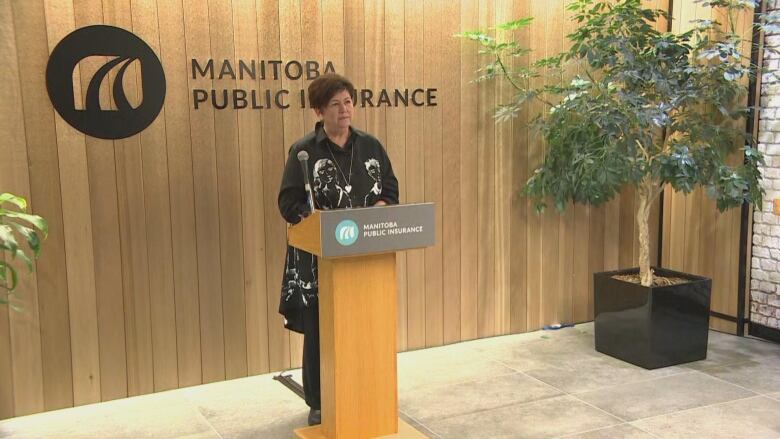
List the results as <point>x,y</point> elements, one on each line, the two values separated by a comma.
<point>23,389</point>
<point>178,146</point>
<point>164,261</point>
<point>697,238</point>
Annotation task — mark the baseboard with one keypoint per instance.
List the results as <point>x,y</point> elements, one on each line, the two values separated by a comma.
<point>764,332</point>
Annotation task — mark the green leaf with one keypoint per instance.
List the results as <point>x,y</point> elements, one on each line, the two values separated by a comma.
<point>26,259</point>
<point>33,241</point>
<point>517,24</point>
<point>5,270</point>
<point>35,220</point>
<point>7,238</point>
<point>20,202</point>
<point>478,36</point>
<point>12,222</point>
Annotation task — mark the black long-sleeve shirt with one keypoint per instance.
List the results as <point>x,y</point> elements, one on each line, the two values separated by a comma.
<point>358,175</point>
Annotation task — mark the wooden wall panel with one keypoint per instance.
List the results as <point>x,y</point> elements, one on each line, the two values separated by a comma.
<point>469,189</point>
<point>274,156</point>
<point>77,222</point>
<point>502,200</point>
<point>15,331</point>
<point>105,233</point>
<point>432,62</point>
<point>178,146</point>
<point>71,149</point>
<point>167,248</point>
<point>451,205</point>
<point>485,234</point>
<point>229,193</point>
<point>554,268</point>
<point>693,202</point>
<point>519,208</point>
<point>355,52</point>
<point>290,44</point>
<point>204,161</point>
<point>696,236</point>
<point>133,233</point>
<point>312,48</point>
<point>157,199</point>
<point>395,141</point>
<point>252,201</point>
<point>6,129</point>
<point>6,366</point>
<point>34,174</point>
<point>374,24</point>
<point>572,223</point>
<point>534,157</point>
<point>677,230</point>
<point>415,183</point>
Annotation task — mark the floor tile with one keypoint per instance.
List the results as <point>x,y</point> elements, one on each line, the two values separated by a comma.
<point>161,415</point>
<point>474,389</point>
<point>747,345</point>
<point>296,374</point>
<point>591,373</point>
<point>458,399</point>
<point>726,349</point>
<point>622,431</point>
<point>545,353</point>
<point>540,419</point>
<point>761,377</point>
<point>754,418</point>
<point>716,357</point>
<point>663,395</point>
<point>436,367</point>
<point>573,364</point>
<point>587,327</point>
<point>249,408</point>
<point>750,347</point>
<point>417,425</point>
<point>503,345</point>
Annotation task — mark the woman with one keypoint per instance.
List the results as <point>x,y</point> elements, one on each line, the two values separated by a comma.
<point>347,168</point>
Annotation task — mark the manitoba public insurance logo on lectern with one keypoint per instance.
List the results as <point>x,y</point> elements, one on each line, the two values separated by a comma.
<point>111,51</point>
<point>346,232</point>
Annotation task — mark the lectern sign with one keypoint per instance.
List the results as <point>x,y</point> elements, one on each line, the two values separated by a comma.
<point>377,229</point>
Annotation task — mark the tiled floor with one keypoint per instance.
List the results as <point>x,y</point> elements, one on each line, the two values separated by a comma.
<point>536,385</point>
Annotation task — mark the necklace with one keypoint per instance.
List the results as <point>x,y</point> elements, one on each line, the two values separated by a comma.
<point>347,180</point>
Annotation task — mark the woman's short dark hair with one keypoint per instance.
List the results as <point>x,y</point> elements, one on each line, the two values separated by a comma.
<point>324,87</point>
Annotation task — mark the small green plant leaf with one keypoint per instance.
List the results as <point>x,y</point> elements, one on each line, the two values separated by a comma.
<point>8,276</point>
<point>516,24</point>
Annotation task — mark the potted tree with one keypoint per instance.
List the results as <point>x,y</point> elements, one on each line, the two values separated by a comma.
<point>16,223</point>
<point>649,109</point>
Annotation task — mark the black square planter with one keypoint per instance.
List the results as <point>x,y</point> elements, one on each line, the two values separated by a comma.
<point>652,327</point>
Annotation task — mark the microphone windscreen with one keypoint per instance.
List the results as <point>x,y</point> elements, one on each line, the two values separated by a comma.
<point>303,155</point>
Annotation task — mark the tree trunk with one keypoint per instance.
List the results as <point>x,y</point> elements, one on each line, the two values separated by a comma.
<point>646,191</point>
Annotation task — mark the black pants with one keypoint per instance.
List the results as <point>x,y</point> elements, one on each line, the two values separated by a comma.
<point>311,355</point>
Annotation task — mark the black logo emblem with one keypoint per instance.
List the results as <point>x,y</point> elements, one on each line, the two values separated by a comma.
<point>125,48</point>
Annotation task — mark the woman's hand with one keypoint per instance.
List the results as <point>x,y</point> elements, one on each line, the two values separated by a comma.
<point>380,203</point>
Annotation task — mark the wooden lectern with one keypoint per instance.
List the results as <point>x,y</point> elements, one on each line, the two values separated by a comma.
<point>357,304</point>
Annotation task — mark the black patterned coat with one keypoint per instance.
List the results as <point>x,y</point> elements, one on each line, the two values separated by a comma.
<point>358,175</point>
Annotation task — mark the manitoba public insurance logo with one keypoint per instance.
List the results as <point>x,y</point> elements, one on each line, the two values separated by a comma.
<point>122,49</point>
<point>346,232</point>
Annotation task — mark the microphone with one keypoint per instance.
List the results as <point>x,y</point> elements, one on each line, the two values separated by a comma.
<point>303,158</point>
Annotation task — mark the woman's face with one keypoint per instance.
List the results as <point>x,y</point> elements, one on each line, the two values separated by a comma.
<point>337,114</point>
